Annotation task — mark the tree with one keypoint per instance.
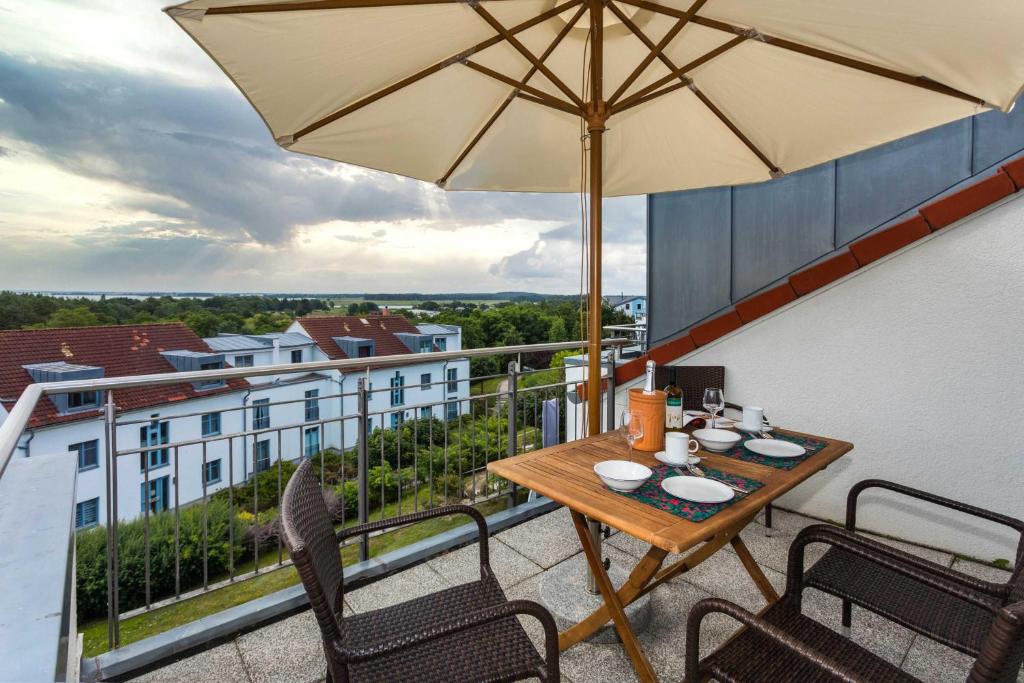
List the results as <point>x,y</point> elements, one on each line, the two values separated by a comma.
<point>79,316</point>
<point>557,331</point>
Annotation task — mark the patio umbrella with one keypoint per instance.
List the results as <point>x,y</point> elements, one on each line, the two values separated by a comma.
<point>615,97</point>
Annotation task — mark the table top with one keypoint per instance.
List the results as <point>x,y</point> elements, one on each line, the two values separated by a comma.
<point>565,473</point>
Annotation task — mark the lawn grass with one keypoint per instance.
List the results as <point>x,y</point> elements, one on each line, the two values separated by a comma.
<point>164,618</point>
<point>486,386</point>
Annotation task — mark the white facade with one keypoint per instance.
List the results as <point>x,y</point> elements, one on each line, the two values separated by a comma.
<point>915,359</point>
<point>635,307</point>
<point>299,422</point>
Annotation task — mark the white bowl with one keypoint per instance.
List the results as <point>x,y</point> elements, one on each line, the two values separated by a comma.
<point>717,440</point>
<point>622,475</point>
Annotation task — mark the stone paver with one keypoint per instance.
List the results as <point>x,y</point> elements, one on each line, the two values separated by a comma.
<point>463,565</point>
<point>290,650</point>
<point>221,663</point>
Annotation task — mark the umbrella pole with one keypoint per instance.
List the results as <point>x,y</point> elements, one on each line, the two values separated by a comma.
<point>596,117</point>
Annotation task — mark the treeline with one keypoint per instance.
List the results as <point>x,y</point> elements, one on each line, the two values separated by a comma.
<point>471,296</point>
<point>249,314</point>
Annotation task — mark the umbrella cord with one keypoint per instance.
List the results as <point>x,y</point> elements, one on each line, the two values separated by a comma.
<point>585,283</point>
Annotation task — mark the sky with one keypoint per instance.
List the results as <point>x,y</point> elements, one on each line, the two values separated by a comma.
<point>129,162</point>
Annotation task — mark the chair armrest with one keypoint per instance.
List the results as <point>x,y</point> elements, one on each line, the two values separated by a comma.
<point>763,628</point>
<point>940,578</point>
<point>481,525</point>
<point>446,628</point>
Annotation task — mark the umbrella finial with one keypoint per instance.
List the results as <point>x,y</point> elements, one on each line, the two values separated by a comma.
<point>183,13</point>
<point>285,141</point>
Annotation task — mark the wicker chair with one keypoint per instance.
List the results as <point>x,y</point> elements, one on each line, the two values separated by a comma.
<point>946,605</point>
<point>781,644</point>
<point>466,633</point>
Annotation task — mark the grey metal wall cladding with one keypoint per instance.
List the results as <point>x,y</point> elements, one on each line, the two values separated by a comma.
<point>874,186</point>
<point>781,225</point>
<point>708,249</point>
<point>996,135</point>
<point>688,256</point>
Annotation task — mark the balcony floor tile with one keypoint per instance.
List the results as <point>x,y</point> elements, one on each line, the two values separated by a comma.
<point>463,565</point>
<point>546,541</point>
<point>222,663</point>
<point>285,651</point>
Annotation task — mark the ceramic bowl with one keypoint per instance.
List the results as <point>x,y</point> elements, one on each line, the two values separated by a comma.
<point>622,475</point>
<point>717,440</point>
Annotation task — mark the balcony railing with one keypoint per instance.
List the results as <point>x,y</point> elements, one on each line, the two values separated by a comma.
<point>376,460</point>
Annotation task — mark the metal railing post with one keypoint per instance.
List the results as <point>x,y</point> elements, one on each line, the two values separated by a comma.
<point>513,431</point>
<point>110,445</point>
<point>363,466</point>
<point>609,423</point>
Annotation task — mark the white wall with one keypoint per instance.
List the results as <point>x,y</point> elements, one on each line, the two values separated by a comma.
<point>917,360</point>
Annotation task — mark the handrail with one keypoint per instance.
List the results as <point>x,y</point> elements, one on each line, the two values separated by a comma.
<point>17,419</point>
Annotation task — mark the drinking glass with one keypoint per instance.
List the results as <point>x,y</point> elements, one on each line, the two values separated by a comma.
<point>714,401</point>
<point>632,428</point>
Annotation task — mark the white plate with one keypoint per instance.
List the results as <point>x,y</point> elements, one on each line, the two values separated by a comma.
<point>660,455</point>
<point>775,448</point>
<point>697,489</point>
<point>765,429</point>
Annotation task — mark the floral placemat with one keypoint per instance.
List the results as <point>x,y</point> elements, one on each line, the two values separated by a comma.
<point>652,494</point>
<point>741,452</point>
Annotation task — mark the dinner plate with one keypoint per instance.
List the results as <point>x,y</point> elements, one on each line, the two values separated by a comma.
<point>775,448</point>
<point>765,429</point>
<point>661,457</point>
<point>697,489</point>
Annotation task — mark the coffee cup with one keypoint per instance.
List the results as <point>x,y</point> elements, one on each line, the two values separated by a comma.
<point>753,419</point>
<point>679,447</point>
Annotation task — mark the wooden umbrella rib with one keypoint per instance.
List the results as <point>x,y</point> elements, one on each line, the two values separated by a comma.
<point>550,100</point>
<point>315,5</point>
<point>432,69</point>
<point>772,168</point>
<point>508,100</point>
<point>675,73</point>
<point>818,53</point>
<point>654,50</point>
<point>567,108</point>
<point>530,57</point>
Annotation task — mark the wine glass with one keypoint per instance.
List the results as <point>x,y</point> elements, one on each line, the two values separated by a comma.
<point>632,428</point>
<point>714,401</point>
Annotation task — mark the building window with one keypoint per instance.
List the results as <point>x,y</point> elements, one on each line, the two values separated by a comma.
<point>369,425</point>
<point>154,434</point>
<point>210,383</point>
<point>452,411</point>
<point>158,496</point>
<point>397,391</point>
<point>312,405</point>
<point>211,473</point>
<point>211,424</point>
<point>297,356</point>
<point>426,345</point>
<point>396,420</point>
<point>88,454</point>
<point>425,413</point>
<point>365,351</point>
<point>245,361</point>
<point>261,455</point>
<point>442,343</point>
<point>261,413</point>
<point>83,400</point>
<point>87,513</point>
<point>453,376</point>
<point>425,381</point>
<point>311,442</point>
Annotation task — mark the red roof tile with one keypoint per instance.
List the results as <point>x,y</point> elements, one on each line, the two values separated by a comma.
<point>121,350</point>
<point>964,202</point>
<point>380,328</point>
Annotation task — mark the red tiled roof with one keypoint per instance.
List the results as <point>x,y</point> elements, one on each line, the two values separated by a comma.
<point>380,328</point>
<point>930,218</point>
<point>121,350</point>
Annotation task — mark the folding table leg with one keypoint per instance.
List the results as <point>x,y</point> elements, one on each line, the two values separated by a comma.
<point>641,664</point>
<point>762,582</point>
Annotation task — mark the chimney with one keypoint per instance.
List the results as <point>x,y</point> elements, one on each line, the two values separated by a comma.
<point>386,311</point>
<point>276,357</point>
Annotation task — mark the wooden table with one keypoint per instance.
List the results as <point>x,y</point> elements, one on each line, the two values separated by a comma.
<point>565,474</point>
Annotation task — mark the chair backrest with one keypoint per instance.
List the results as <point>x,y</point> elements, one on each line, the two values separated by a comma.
<point>692,379</point>
<point>1002,652</point>
<point>309,536</point>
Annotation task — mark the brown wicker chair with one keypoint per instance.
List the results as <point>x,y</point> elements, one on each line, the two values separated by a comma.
<point>781,644</point>
<point>466,633</point>
<point>957,611</point>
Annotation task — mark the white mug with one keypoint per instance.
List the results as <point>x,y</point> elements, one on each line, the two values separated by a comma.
<point>678,447</point>
<point>753,418</point>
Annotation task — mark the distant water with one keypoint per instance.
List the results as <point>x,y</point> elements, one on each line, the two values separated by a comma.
<point>96,296</point>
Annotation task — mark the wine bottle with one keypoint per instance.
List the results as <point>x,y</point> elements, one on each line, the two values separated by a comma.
<point>673,407</point>
<point>649,379</point>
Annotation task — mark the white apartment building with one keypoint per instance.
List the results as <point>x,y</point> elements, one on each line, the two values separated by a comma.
<point>635,306</point>
<point>300,410</point>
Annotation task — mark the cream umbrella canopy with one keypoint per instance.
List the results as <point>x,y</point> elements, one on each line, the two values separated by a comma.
<point>505,94</point>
